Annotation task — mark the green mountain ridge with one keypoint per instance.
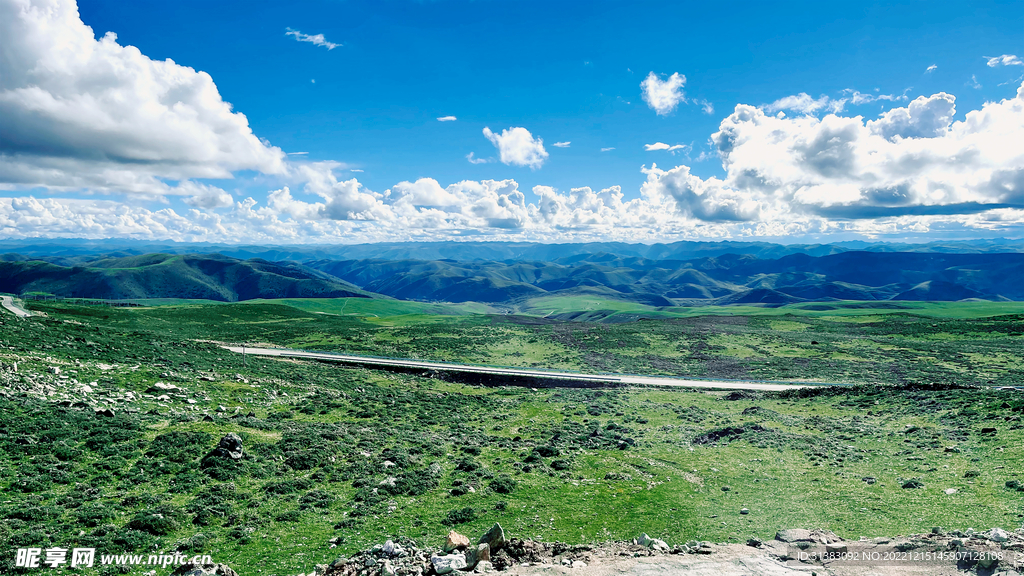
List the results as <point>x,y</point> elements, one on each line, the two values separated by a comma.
<point>207,277</point>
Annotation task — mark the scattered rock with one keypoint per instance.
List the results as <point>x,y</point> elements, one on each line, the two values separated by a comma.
<point>950,491</point>
<point>448,563</point>
<point>481,553</point>
<point>495,537</point>
<point>193,569</point>
<point>836,548</point>
<point>998,535</point>
<point>744,511</point>
<point>230,446</point>
<point>794,535</point>
<point>455,541</point>
<point>392,549</point>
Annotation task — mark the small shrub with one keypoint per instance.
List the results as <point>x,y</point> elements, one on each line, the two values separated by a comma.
<point>460,516</point>
<point>315,499</point>
<point>503,484</point>
<point>289,516</point>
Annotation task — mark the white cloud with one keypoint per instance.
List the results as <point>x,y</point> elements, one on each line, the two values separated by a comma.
<point>315,39</point>
<point>663,96</point>
<point>1004,60</point>
<point>607,149</point>
<point>84,113</point>
<point>517,147</point>
<point>911,161</point>
<point>693,198</point>
<point>77,114</point>
<point>474,160</point>
<point>561,144</point>
<point>297,153</point>
<point>447,119</point>
<point>354,170</point>
<point>208,197</point>
<point>344,200</point>
<point>974,82</point>
<point>931,68</point>
<point>801,102</point>
<point>662,146</point>
<point>923,118</point>
<point>857,98</point>
<point>707,107</point>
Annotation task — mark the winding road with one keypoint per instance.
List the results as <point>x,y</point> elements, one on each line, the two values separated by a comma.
<point>8,303</point>
<point>659,381</point>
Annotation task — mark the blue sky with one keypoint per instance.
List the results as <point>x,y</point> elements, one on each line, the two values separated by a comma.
<point>367,108</point>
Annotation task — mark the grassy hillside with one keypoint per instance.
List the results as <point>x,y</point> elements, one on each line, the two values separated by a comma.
<point>362,456</point>
<point>209,277</point>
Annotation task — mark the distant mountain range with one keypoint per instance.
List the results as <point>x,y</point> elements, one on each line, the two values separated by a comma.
<point>683,273</point>
<point>726,279</point>
<point>210,277</point>
<point>73,252</point>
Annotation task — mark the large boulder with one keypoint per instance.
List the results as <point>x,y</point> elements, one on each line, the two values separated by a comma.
<point>494,538</point>
<point>455,541</point>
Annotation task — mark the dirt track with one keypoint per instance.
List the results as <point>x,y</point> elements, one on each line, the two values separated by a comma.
<point>8,303</point>
<point>730,560</point>
<point>551,378</point>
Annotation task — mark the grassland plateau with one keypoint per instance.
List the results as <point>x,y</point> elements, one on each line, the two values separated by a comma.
<point>110,413</point>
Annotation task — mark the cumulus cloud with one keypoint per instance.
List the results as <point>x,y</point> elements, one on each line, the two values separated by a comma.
<point>801,102</point>
<point>923,118</point>
<point>691,197</point>
<point>77,112</point>
<point>517,147</point>
<point>561,144</point>
<point>474,160</point>
<point>609,149</point>
<point>314,39</point>
<point>663,96</point>
<point>80,114</point>
<point>447,119</point>
<point>1004,60</point>
<point>203,196</point>
<point>931,68</point>
<point>344,200</point>
<point>910,161</point>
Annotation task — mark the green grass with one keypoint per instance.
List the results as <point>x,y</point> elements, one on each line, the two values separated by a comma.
<point>379,307</point>
<point>628,460</point>
<point>554,305</point>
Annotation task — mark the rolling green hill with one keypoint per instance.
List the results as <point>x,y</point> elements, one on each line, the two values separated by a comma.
<point>208,277</point>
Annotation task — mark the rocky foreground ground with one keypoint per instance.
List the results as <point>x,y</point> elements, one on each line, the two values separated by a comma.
<point>793,552</point>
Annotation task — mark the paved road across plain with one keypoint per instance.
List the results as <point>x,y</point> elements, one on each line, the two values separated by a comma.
<point>8,303</point>
<point>525,372</point>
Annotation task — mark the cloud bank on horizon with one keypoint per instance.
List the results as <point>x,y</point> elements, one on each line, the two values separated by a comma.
<point>82,118</point>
